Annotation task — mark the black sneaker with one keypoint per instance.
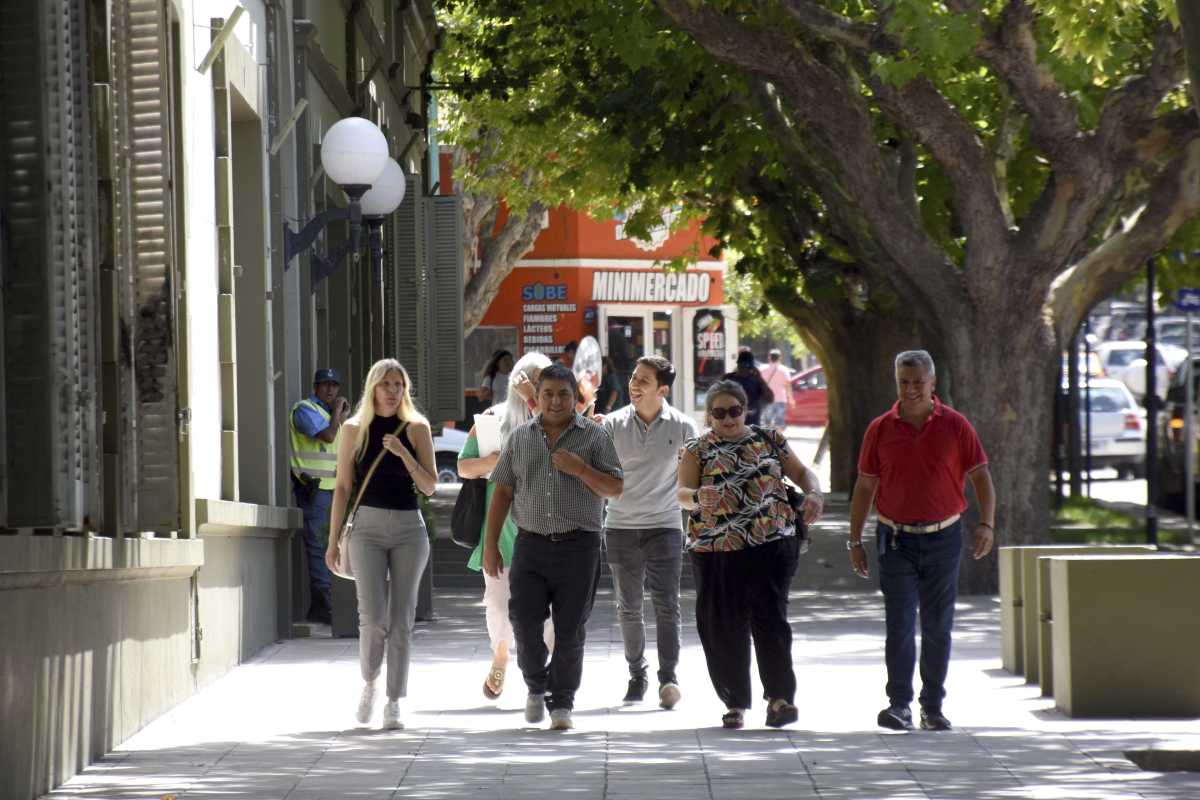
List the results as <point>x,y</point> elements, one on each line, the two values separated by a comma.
<point>932,719</point>
<point>637,689</point>
<point>896,718</point>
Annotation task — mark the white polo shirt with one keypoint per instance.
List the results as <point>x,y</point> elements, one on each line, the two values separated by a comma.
<point>650,459</point>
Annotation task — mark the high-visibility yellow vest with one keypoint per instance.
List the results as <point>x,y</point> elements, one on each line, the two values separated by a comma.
<point>317,458</point>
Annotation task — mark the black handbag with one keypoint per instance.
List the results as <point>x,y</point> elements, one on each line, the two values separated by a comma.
<point>470,509</point>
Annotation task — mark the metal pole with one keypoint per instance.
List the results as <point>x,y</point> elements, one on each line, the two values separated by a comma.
<point>1087,404</point>
<point>1151,412</point>
<point>1058,445</point>
<point>1189,444</point>
<point>1074,444</point>
<point>375,310</point>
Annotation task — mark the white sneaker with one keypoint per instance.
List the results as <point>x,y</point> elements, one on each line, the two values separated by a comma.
<point>535,707</point>
<point>668,695</point>
<point>560,719</point>
<point>391,716</point>
<point>366,703</point>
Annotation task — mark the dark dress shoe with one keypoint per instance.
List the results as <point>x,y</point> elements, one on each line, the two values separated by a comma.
<point>637,689</point>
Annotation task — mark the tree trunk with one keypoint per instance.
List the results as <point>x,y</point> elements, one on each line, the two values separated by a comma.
<point>1004,364</point>
<point>857,346</point>
<point>862,384</point>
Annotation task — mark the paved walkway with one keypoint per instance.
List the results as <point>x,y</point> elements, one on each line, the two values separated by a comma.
<point>281,727</point>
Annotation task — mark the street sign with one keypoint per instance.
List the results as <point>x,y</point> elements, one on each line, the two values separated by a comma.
<point>1188,300</point>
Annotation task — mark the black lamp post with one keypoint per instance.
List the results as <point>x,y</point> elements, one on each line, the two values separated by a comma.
<point>385,197</point>
<point>354,155</point>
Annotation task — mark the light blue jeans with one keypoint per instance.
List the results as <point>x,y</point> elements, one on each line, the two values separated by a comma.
<point>388,550</point>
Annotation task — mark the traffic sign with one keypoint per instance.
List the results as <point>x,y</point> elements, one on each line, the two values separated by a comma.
<point>1188,300</point>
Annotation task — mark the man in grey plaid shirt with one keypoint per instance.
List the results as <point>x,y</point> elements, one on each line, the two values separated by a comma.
<point>554,473</point>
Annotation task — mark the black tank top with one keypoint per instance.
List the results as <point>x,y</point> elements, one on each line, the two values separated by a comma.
<point>391,486</point>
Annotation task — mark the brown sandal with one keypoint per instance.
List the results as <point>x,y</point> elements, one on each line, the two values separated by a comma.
<point>732,719</point>
<point>493,685</point>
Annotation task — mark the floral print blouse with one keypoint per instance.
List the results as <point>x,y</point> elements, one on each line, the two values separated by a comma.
<point>754,507</point>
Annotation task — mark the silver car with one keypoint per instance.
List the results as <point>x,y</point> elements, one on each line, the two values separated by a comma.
<point>1126,361</point>
<point>1118,427</point>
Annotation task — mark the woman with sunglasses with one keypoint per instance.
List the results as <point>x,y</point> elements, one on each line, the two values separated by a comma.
<point>741,535</point>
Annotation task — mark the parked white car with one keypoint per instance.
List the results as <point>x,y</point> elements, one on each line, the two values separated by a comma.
<point>1126,361</point>
<point>445,452</point>
<point>1118,427</point>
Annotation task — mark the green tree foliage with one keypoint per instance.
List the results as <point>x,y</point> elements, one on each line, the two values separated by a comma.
<point>986,170</point>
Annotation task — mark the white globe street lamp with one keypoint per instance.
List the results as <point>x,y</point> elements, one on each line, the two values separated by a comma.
<point>386,193</point>
<point>354,154</point>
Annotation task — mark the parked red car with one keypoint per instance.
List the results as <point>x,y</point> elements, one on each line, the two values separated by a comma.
<point>810,402</point>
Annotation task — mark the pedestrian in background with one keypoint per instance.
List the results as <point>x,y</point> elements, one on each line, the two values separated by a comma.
<point>608,394</point>
<point>744,549</point>
<point>314,424</point>
<point>515,412</point>
<point>779,380</point>
<point>390,545</point>
<point>643,533</point>
<point>554,473</point>
<point>912,467</point>
<point>753,386</point>
<point>493,385</point>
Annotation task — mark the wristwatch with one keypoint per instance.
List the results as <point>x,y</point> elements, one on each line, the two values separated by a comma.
<point>852,544</point>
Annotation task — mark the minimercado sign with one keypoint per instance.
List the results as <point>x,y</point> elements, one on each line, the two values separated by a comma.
<point>651,287</point>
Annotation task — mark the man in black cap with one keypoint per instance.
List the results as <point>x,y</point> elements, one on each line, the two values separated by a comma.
<point>314,424</point>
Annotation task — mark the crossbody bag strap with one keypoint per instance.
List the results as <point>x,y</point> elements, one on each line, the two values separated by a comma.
<point>371,472</point>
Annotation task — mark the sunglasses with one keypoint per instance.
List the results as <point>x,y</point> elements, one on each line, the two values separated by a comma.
<point>733,412</point>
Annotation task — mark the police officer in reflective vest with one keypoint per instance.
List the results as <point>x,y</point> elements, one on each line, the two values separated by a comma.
<point>314,424</point>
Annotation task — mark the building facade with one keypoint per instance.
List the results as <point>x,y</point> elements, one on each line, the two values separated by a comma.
<point>154,338</point>
<point>586,277</point>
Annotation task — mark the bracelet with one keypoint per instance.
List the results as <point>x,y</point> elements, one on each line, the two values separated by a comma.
<point>851,544</point>
<point>987,525</point>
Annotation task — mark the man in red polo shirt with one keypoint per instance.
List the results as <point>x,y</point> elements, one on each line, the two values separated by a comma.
<point>912,465</point>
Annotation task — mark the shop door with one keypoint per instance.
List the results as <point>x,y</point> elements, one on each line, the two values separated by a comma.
<point>624,343</point>
<point>628,333</point>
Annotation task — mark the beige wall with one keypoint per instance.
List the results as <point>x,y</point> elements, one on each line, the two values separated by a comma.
<point>94,654</point>
<point>1126,635</point>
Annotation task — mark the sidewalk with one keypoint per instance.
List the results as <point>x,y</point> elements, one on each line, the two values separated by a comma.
<point>281,726</point>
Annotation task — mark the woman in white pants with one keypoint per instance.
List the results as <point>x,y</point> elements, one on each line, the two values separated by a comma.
<point>517,409</point>
<point>390,546</point>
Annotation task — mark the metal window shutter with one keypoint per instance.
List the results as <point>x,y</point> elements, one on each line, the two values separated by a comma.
<point>410,282</point>
<point>444,343</point>
<point>51,475</point>
<point>145,212</point>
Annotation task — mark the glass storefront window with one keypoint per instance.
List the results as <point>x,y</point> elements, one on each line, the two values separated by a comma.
<point>626,344</point>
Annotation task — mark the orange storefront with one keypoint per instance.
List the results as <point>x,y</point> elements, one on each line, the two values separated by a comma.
<point>585,278</point>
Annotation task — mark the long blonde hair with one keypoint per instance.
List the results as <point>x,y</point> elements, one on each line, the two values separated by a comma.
<point>365,413</point>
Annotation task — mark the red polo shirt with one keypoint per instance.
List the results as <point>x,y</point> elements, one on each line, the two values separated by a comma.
<point>921,472</point>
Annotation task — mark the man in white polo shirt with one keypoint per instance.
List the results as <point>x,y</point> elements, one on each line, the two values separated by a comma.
<point>643,530</point>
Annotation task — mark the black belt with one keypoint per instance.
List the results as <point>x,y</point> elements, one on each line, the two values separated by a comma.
<point>559,536</point>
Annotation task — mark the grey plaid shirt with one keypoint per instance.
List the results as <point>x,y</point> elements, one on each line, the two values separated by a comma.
<point>544,499</point>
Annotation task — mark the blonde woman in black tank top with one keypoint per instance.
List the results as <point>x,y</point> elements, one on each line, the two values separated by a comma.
<point>390,546</point>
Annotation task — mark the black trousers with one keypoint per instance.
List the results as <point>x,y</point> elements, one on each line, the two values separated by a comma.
<point>555,579</point>
<point>742,595</point>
